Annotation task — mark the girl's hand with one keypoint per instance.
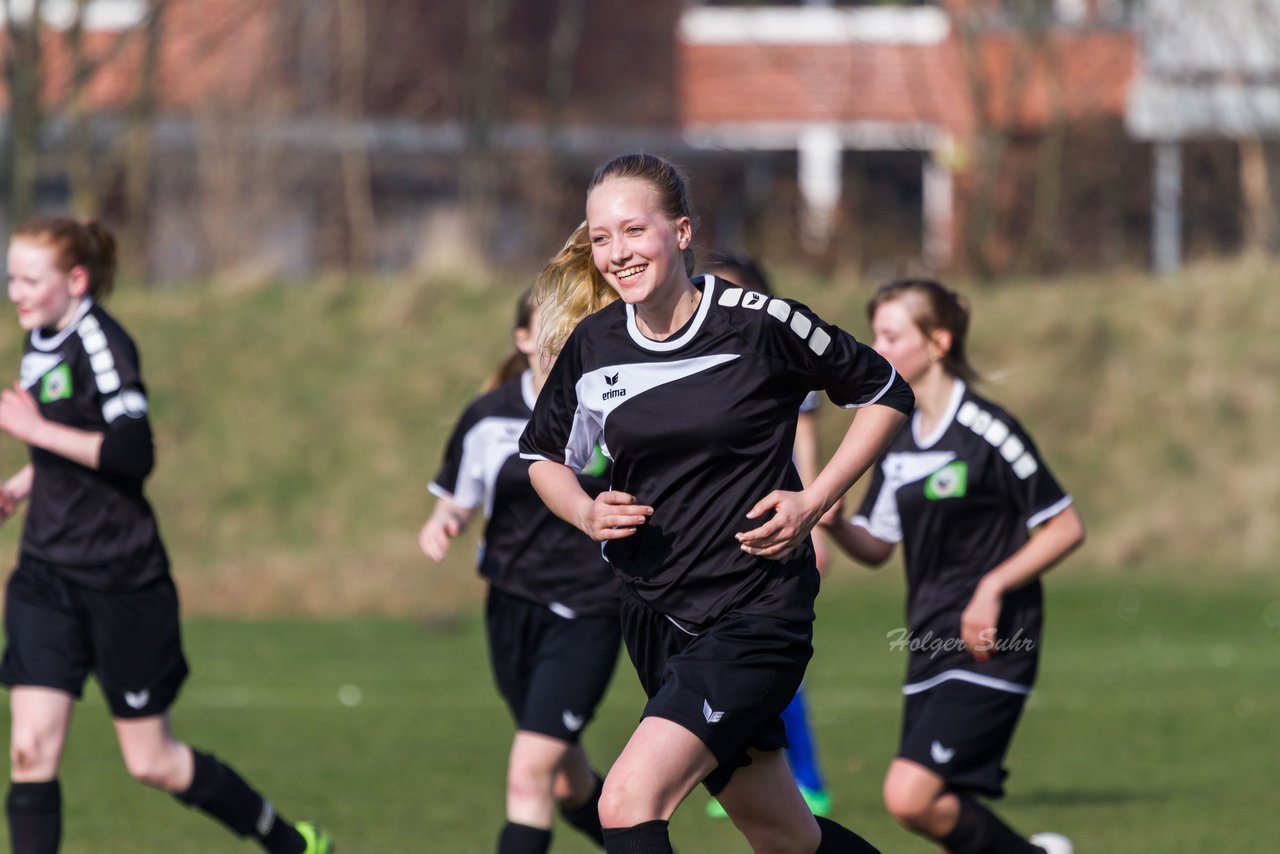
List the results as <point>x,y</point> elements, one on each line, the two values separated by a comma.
<point>436,534</point>
<point>447,521</point>
<point>978,623</point>
<point>613,515</point>
<point>20,414</point>
<point>794,515</point>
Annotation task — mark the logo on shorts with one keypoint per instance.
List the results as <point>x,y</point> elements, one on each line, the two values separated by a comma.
<point>572,722</point>
<point>137,699</point>
<point>713,717</point>
<point>941,755</point>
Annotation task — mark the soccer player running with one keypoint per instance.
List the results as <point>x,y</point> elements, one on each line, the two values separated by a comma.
<point>692,388</point>
<point>962,487</point>
<point>802,749</point>
<point>92,590</point>
<point>552,610</point>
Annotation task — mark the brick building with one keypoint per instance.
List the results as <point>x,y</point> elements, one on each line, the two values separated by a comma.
<point>936,135</point>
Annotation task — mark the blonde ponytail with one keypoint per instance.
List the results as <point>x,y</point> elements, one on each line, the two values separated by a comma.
<point>567,290</point>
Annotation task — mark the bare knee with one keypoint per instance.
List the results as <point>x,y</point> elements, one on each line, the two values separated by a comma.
<point>526,782</point>
<point>35,753</point>
<point>909,805</point>
<point>160,768</point>
<point>623,804</point>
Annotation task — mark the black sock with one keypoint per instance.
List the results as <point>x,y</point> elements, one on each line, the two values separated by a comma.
<point>586,816</point>
<point>980,831</point>
<point>35,817</point>
<point>838,839</point>
<point>523,839</point>
<point>218,791</point>
<point>648,837</point>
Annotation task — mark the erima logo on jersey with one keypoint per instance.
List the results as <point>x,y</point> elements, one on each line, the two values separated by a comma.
<point>713,717</point>
<point>613,392</point>
<point>941,755</point>
<point>950,481</point>
<point>137,699</point>
<point>572,722</point>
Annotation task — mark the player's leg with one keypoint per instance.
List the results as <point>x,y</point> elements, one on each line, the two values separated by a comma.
<point>955,737</point>
<point>577,790</point>
<point>657,769</point>
<point>154,757</point>
<point>764,803</point>
<point>553,672</point>
<point>46,659</point>
<point>531,770</point>
<point>141,667</point>
<point>38,733</point>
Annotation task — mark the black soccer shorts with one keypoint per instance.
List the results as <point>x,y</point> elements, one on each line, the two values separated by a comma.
<point>551,670</point>
<point>961,732</point>
<point>728,684</point>
<point>58,632</point>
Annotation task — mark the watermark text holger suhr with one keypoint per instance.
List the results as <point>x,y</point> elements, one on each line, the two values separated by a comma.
<point>903,639</point>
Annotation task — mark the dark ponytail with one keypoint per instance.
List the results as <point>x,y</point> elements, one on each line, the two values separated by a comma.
<point>516,363</point>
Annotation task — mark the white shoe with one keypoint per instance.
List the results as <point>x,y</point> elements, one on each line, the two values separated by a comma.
<point>1053,843</point>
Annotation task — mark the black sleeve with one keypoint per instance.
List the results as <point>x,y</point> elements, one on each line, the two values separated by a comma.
<point>127,449</point>
<point>820,355</point>
<point>127,446</point>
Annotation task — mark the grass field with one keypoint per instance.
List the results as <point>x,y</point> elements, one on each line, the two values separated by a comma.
<point>1152,730</point>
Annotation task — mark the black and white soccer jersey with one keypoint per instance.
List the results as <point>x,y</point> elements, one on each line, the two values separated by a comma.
<point>94,525</point>
<point>701,427</point>
<point>527,550</point>
<point>961,500</point>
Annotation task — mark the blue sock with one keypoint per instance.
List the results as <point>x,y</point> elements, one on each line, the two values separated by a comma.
<point>802,754</point>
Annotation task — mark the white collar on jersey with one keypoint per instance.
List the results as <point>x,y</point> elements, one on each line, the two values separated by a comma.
<point>953,405</point>
<point>526,389</point>
<point>708,286</point>
<point>53,342</point>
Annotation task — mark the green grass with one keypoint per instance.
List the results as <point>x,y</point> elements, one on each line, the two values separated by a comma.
<point>1152,729</point>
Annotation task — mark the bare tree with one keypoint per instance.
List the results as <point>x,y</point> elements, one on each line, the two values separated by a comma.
<point>566,40</point>
<point>26,117</point>
<point>356,182</point>
<point>485,60</point>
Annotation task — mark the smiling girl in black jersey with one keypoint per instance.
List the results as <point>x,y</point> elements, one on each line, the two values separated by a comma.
<point>552,610</point>
<point>961,486</point>
<point>692,388</point>
<point>92,590</point>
